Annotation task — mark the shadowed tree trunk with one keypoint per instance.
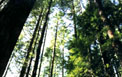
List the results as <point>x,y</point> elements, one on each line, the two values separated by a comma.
<point>30,47</point>
<point>42,53</point>
<point>74,19</point>
<point>40,41</point>
<point>102,59</point>
<point>116,44</point>
<point>12,19</point>
<point>33,50</point>
<point>50,60</point>
<point>7,67</point>
<point>31,59</point>
<point>54,52</point>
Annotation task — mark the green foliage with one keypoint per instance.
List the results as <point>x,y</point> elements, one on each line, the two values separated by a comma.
<point>92,45</point>
<point>92,53</point>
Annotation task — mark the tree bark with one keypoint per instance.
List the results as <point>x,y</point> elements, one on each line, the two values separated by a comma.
<point>33,51</point>
<point>7,67</point>
<point>54,52</point>
<point>31,59</point>
<point>40,41</point>
<point>74,19</point>
<point>12,19</point>
<point>102,59</point>
<point>30,47</point>
<point>42,53</point>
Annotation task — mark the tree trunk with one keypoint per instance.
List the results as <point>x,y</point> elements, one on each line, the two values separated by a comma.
<point>40,41</point>
<point>74,19</point>
<point>54,52</point>
<point>116,43</point>
<point>30,47</point>
<point>50,66</point>
<point>33,50</point>
<point>42,53</point>
<point>31,59</point>
<point>12,19</point>
<point>7,67</point>
<point>102,59</point>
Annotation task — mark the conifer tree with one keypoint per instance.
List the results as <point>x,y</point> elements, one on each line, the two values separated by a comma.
<point>40,41</point>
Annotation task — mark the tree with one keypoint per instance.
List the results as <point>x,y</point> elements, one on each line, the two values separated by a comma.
<point>54,52</point>
<point>12,19</point>
<point>33,50</point>
<point>40,65</point>
<point>85,36</point>
<point>74,19</point>
<point>94,45</point>
<point>40,41</point>
<point>30,46</point>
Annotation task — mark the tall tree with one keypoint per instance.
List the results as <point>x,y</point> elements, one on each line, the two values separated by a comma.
<point>33,50</point>
<point>40,41</point>
<point>12,19</point>
<point>30,47</point>
<point>54,52</point>
<point>74,19</point>
<point>40,65</point>
<point>111,29</point>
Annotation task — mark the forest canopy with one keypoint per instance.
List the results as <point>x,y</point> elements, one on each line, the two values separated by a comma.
<point>60,38</point>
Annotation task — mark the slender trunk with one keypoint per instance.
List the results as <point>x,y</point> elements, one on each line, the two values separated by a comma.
<point>40,41</point>
<point>74,19</point>
<point>28,69</point>
<point>102,59</point>
<point>90,60</point>
<point>55,68</point>
<point>33,50</point>
<point>54,52</point>
<point>31,59</point>
<point>12,19</point>
<point>50,66</point>
<point>42,53</point>
<point>30,48</point>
